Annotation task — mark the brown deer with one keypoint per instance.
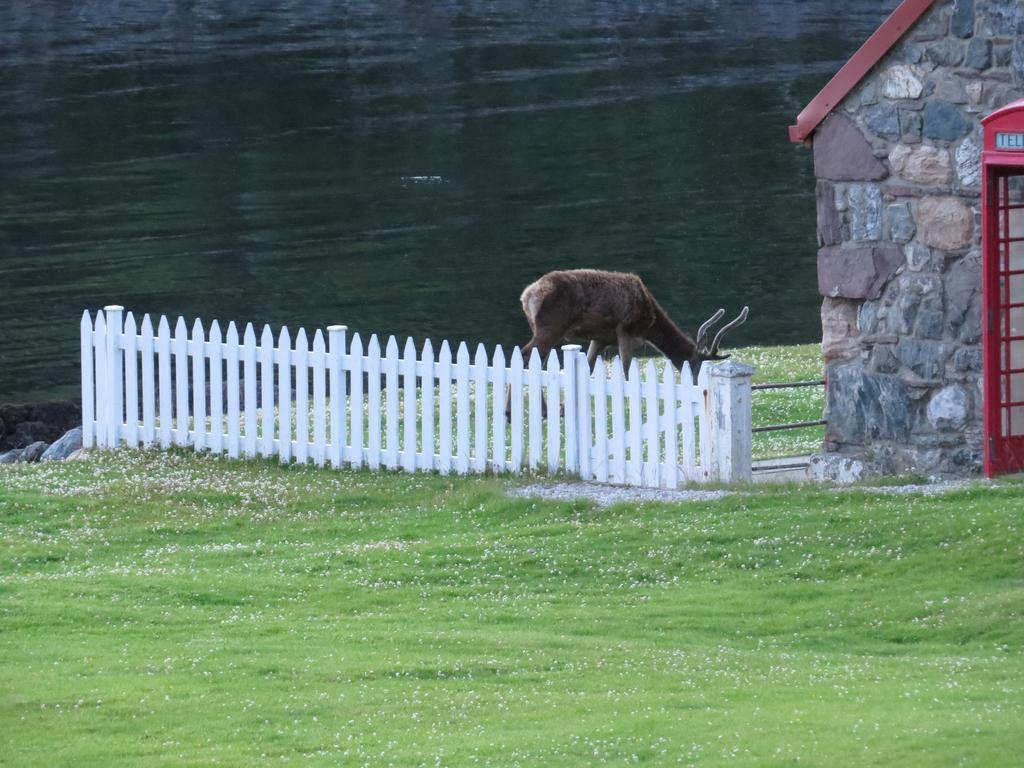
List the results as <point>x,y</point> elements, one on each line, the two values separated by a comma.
<point>612,309</point>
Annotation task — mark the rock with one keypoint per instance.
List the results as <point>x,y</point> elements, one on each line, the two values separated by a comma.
<point>967,359</point>
<point>32,453</point>
<point>920,258</point>
<point>882,360</point>
<point>865,202</point>
<point>26,424</point>
<point>857,272</point>
<point>945,53</point>
<point>902,81</point>
<point>949,408</point>
<point>924,164</point>
<point>917,309</point>
<point>64,447</point>
<point>963,299</point>
<point>968,163</point>
<point>901,223</point>
<point>910,126</point>
<point>945,121</point>
<point>841,153</point>
<point>829,225</point>
<point>883,120</point>
<point>999,18</point>
<point>863,406</point>
<point>839,334</point>
<point>927,359</point>
<point>945,223</point>
<point>979,54</point>
<point>11,457</point>
<point>961,23</point>
<point>834,468</point>
<point>28,432</point>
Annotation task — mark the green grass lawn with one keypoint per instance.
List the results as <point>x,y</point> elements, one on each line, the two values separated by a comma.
<point>172,609</point>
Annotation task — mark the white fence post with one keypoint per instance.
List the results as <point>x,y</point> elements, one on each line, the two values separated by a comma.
<point>729,415</point>
<point>114,380</point>
<point>570,355</point>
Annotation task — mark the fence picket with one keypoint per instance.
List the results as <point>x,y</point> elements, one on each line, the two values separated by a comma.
<point>462,424</point>
<point>197,353</point>
<point>336,337</point>
<point>266,357</point>
<point>670,476</point>
<point>536,414</point>
<point>391,403</point>
<point>284,395</point>
<point>356,433</point>
<point>599,464</point>
<point>373,402</point>
<point>216,356</point>
<point>498,449</point>
<point>179,345</point>
<point>515,402</point>
<point>249,374</point>
<point>166,394</point>
<point>426,460</point>
<point>233,350</point>
<point>488,413</point>
<point>618,464</point>
<point>148,396</point>
<point>131,378</point>
<point>88,381</point>
<point>480,429</point>
<point>409,417</point>
<point>319,399</point>
<point>301,363</point>
<point>444,419</point>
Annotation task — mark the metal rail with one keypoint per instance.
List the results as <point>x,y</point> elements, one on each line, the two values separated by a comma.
<point>796,424</point>
<point>791,385</point>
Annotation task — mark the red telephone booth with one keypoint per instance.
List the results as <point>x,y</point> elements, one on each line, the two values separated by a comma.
<point>1002,212</point>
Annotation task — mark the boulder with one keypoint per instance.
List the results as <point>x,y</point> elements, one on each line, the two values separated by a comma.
<point>857,272</point>
<point>862,406</point>
<point>33,453</point>
<point>924,164</point>
<point>11,457</point>
<point>835,468</point>
<point>945,223</point>
<point>64,447</point>
<point>949,408</point>
<point>841,153</point>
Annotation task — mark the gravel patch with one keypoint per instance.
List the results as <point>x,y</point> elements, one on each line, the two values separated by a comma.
<point>606,495</point>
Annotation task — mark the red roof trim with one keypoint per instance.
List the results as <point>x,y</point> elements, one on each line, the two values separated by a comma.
<point>869,54</point>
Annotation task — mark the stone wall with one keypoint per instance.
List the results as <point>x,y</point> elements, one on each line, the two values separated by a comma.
<point>899,265</point>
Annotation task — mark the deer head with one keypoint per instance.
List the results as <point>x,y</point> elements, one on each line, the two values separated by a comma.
<point>704,351</point>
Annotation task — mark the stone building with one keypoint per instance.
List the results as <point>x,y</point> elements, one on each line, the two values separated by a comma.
<point>896,138</point>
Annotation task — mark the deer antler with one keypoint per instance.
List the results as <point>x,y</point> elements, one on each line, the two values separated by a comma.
<point>702,331</point>
<point>740,319</point>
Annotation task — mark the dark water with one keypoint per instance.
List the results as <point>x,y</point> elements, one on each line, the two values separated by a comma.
<point>402,167</point>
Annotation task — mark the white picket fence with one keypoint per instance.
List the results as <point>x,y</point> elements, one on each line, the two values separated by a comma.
<point>338,403</point>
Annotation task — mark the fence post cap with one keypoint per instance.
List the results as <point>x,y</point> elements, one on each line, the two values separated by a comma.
<point>113,308</point>
<point>571,347</point>
<point>730,369</point>
<point>336,328</point>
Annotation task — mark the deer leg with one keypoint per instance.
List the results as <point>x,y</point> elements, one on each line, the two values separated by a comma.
<point>627,345</point>
<point>543,349</point>
<point>593,352</point>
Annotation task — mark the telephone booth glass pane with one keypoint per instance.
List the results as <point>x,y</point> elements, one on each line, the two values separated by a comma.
<point>1011,250</point>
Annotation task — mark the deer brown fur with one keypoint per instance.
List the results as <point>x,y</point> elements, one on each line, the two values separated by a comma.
<point>608,309</point>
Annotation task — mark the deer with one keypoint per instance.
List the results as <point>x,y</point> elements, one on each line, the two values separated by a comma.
<point>607,309</point>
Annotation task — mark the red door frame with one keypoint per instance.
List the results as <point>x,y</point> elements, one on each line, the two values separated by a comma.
<point>1002,453</point>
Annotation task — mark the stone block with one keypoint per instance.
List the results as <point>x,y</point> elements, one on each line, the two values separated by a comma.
<point>856,272</point>
<point>926,359</point>
<point>830,226</point>
<point>910,126</point>
<point>835,468</point>
<point>979,54</point>
<point>865,204</point>
<point>967,359</point>
<point>903,81</point>
<point>883,120</point>
<point>945,53</point>
<point>945,122</point>
<point>862,406</point>
<point>963,299</point>
<point>923,164</point>
<point>949,408</point>
<point>901,223</point>
<point>945,223</point>
<point>839,333</point>
<point>968,163</point>
<point>961,22</point>
<point>841,153</point>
